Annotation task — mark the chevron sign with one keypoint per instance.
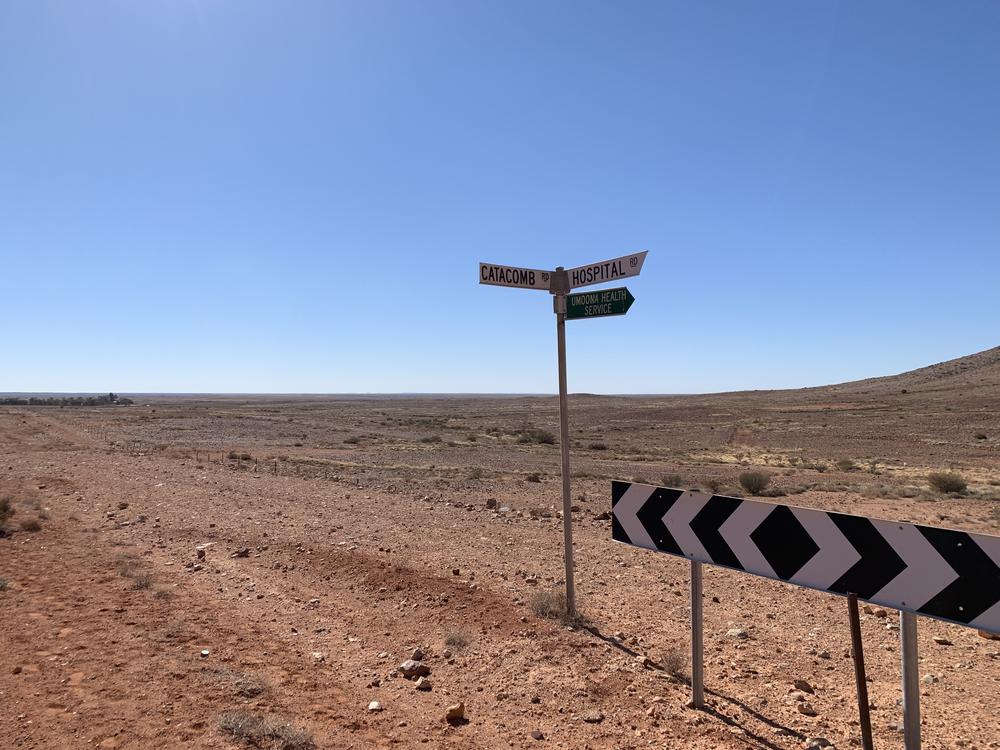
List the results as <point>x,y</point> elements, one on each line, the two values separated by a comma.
<point>950,575</point>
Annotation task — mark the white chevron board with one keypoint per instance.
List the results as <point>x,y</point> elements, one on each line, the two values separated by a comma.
<point>942,573</point>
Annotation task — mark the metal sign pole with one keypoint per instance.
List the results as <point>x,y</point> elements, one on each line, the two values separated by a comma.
<point>857,651</point>
<point>560,287</point>
<point>911,680</point>
<point>697,639</point>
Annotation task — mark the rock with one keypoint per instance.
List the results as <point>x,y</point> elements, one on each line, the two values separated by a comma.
<point>455,713</point>
<point>594,718</point>
<point>797,695</point>
<point>988,636</point>
<point>929,679</point>
<point>374,707</point>
<point>417,655</point>
<point>645,661</point>
<point>815,743</point>
<point>823,654</point>
<point>804,686</point>
<point>605,516</point>
<point>318,656</point>
<point>204,653</point>
<point>241,552</point>
<point>536,734</point>
<point>123,505</point>
<point>807,709</point>
<point>879,612</point>
<point>200,554</point>
<point>738,633</point>
<point>455,571</point>
<point>17,670</point>
<point>491,503</point>
<point>422,684</point>
<point>941,641</point>
<point>412,668</point>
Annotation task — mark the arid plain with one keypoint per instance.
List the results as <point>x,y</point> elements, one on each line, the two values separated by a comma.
<point>213,572</point>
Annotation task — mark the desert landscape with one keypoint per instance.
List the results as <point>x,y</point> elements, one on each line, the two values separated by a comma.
<point>228,571</point>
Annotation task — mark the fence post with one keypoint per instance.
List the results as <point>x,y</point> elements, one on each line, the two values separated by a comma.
<point>911,680</point>
<point>697,638</point>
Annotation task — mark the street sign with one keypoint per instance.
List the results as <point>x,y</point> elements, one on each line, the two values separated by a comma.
<point>598,304</point>
<point>941,573</point>
<point>524,278</point>
<point>606,270</point>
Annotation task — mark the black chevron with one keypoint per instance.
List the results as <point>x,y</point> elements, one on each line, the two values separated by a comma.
<point>706,525</point>
<point>650,515</point>
<point>617,532</point>
<point>977,587</point>
<point>878,565</point>
<point>783,542</point>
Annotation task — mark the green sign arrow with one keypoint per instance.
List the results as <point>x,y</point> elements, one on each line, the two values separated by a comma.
<point>598,304</point>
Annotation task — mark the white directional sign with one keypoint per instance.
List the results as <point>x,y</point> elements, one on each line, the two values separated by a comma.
<point>525,278</point>
<point>606,270</point>
<point>942,573</point>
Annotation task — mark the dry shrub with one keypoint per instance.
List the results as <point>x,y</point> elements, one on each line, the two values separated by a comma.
<point>552,606</point>
<point>6,510</point>
<point>142,582</point>
<point>712,485</point>
<point>533,477</point>
<point>31,524</point>
<point>947,481</point>
<point>674,661</point>
<point>456,641</point>
<point>755,482</point>
<point>598,447</point>
<point>845,464</point>
<point>261,732</point>
<point>672,480</point>
<point>3,584</point>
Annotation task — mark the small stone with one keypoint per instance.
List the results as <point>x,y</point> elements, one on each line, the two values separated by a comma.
<point>941,641</point>
<point>594,718</point>
<point>412,668</point>
<point>204,653</point>
<point>417,655</point>
<point>536,734</point>
<point>241,552</point>
<point>374,707</point>
<point>455,571</point>
<point>491,503</point>
<point>318,656</point>
<point>807,709</point>
<point>123,505</point>
<point>422,683</point>
<point>738,633</point>
<point>879,612</point>
<point>815,743</point>
<point>17,670</point>
<point>804,686</point>
<point>929,679</point>
<point>823,654</point>
<point>645,661</point>
<point>455,713</point>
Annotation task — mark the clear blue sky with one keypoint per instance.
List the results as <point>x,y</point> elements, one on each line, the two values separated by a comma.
<point>242,196</point>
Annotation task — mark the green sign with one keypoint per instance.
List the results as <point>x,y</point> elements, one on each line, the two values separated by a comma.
<point>598,304</point>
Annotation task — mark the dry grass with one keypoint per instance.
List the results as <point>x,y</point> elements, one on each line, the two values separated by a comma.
<point>262,732</point>
<point>674,661</point>
<point>552,606</point>
<point>456,641</point>
<point>947,481</point>
<point>755,482</point>
<point>31,524</point>
<point>4,585</point>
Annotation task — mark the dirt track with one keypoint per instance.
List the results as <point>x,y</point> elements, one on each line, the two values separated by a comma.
<point>359,552</point>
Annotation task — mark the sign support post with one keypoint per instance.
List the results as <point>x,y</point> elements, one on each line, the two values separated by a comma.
<point>560,286</point>
<point>697,639</point>
<point>911,680</point>
<point>857,651</point>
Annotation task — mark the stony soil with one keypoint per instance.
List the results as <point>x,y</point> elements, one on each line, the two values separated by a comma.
<point>358,530</point>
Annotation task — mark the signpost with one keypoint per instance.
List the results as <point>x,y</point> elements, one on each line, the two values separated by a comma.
<point>599,304</point>
<point>919,570</point>
<point>568,306</point>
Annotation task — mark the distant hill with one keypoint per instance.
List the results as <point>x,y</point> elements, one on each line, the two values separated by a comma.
<point>973,372</point>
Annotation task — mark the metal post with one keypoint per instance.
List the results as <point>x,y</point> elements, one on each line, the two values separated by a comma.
<point>697,639</point>
<point>559,307</point>
<point>911,681</point>
<point>857,651</point>
<point>560,303</point>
